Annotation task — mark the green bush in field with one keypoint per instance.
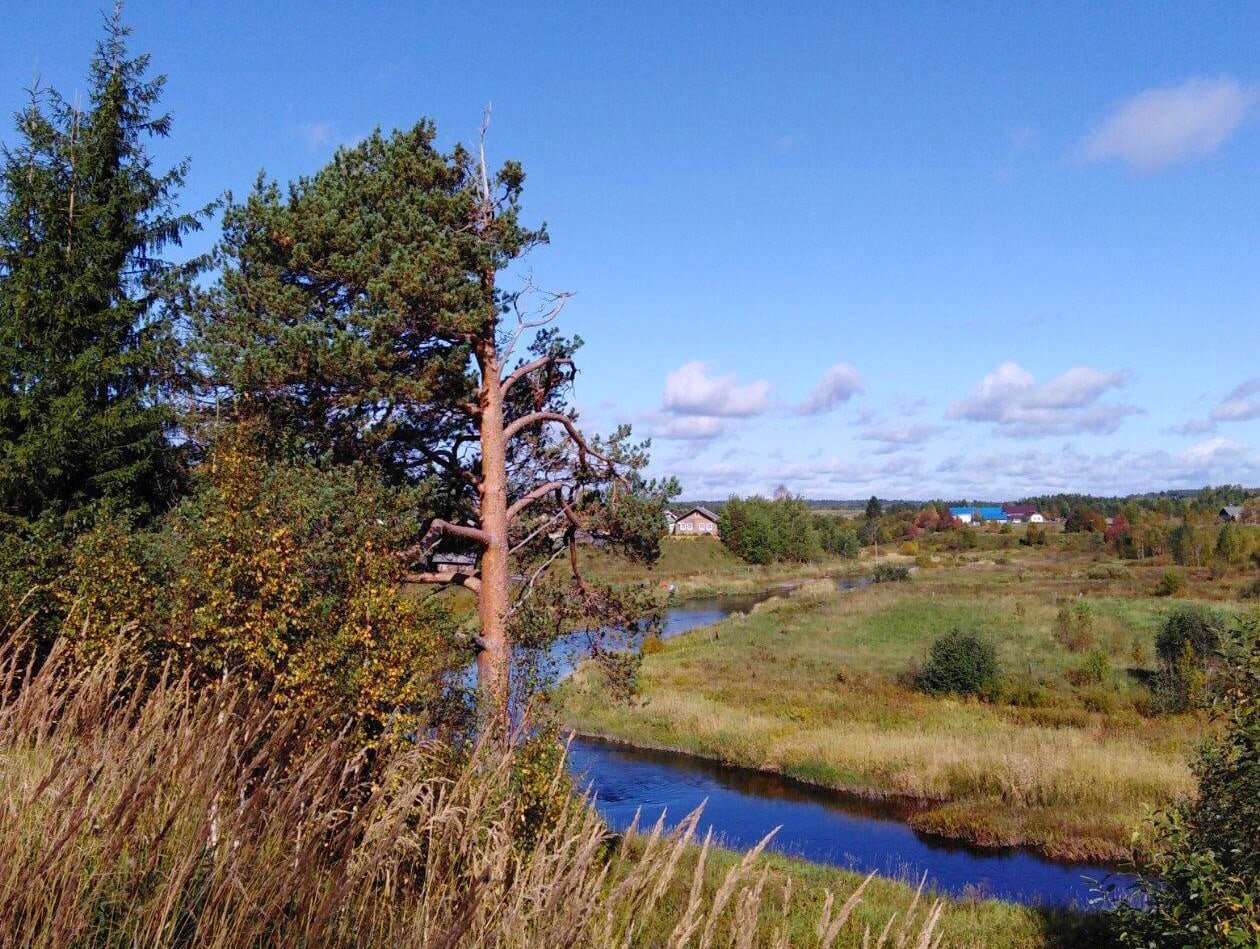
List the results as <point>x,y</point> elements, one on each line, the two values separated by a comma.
<point>1096,669</point>
<point>1202,881</point>
<point>890,573</point>
<point>1187,644</point>
<point>959,662</point>
<point>1170,584</point>
<point>1035,536</point>
<point>1074,626</point>
<point>1250,591</point>
<point>1195,625</point>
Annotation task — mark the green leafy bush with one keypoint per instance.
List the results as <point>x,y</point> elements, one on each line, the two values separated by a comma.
<point>1094,671</point>
<point>890,573</point>
<point>959,662</point>
<point>282,573</point>
<point>1195,625</point>
<point>1187,645</point>
<point>1170,584</point>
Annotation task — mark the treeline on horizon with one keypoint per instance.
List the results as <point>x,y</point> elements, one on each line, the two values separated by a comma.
<point>1058,505</point>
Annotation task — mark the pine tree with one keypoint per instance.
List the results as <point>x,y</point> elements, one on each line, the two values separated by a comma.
<point>86,340</point>
<point>362,316</point>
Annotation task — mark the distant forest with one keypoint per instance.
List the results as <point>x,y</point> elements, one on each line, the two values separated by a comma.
<point>1206,497</point>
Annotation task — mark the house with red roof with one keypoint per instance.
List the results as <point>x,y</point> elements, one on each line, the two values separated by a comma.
<point>1022,514</point>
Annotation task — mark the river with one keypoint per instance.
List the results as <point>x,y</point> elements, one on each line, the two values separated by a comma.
<point>825,826</point>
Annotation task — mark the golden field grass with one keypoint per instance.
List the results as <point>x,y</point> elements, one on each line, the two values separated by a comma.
<point>160,815</point>
<point>807,685</point>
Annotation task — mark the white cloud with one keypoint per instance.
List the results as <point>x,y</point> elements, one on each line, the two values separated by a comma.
<point>894,435</point>
<point>839,384</point>
<point>686,427</point>
<point>1196,426</point>
<point>992,474</point>
<point>1240,405</point>
<point>1160,127</point>
<point>1214,451</point>
<point>1011,399</point>
<point>691,390</point>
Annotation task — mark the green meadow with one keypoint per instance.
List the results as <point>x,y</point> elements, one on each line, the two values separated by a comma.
<point>1069,756</point>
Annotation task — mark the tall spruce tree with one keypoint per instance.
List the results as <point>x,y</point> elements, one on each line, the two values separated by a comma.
<point>86,338</point>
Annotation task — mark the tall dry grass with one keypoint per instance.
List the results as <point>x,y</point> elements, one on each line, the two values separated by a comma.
<point>178,817</point>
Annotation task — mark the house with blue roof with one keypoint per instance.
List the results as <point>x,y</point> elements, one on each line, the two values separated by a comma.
<point>970,515</point>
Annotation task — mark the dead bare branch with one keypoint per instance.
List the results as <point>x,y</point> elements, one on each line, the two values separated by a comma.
<point>438,529</point>
<point>526,500</point>
<point>525,370</point>
<point>445,577</point>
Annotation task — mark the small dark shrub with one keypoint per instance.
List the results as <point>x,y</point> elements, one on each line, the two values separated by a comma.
<point>959,662</point>
<point>890,573</point>
<point>1186,645</point>
<point>1034,537</point>
<point>1170,584</point>
<point>1194,624</point>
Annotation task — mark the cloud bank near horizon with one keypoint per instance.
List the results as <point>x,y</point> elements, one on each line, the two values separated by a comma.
<point>714,431</point>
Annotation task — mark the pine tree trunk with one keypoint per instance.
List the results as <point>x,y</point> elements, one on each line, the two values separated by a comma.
<point>493,663</point>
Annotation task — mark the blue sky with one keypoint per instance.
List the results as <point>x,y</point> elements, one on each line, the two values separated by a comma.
<point>903,249</point>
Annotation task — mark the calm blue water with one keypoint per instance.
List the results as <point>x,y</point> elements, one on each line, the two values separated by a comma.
<point>742,806</point>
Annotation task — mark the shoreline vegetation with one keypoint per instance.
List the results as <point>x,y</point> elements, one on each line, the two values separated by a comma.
<point>161,837</point>
<point>811,684</point>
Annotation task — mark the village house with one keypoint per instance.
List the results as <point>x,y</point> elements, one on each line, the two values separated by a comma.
<point>670,520</point>
<point>1023,514</point>
<point>1232,512</point>
<point>698,522</point>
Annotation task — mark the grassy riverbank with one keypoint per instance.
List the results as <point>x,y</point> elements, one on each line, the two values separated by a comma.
<point>976,924</point>
<point>810,686</point>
